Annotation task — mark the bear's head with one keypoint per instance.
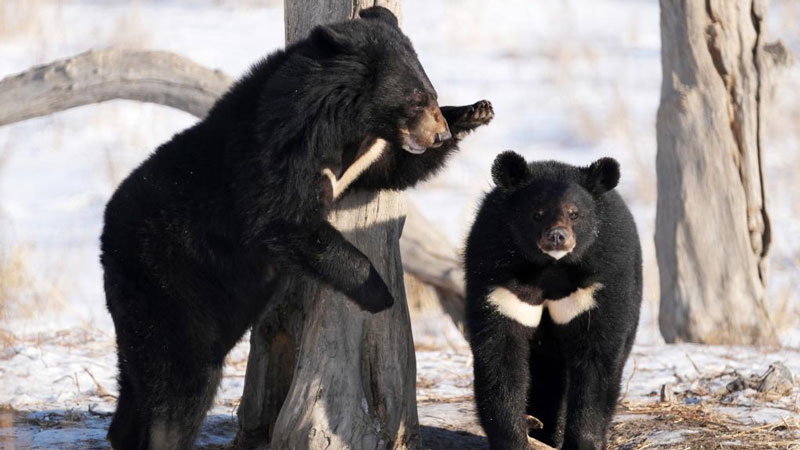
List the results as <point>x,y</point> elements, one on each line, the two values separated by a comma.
<point>394,100</point>
<point>552,206</point>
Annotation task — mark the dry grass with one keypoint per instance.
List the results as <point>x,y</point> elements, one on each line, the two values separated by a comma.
<point>43,22</point>
<point>22,295</point>
<point>784,307</point>
<point>14,277</point>
<point>20,18</point>
<point>649,425</point>
<point>130,31</point>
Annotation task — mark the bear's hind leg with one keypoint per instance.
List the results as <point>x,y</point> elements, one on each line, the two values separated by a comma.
<point>125,431</point>
<point>592,395</point>
<point>547,399</point>
<point>181,409</point>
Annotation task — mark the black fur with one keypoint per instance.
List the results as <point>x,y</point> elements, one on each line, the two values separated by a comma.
<point>197,237</point>
<point>567,375</point>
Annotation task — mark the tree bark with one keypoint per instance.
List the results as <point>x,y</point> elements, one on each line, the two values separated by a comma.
<point>300,16</point>
<point>354,381</point>
<point>354,376</point>
<point>712,227</point>
<point>334,377</point>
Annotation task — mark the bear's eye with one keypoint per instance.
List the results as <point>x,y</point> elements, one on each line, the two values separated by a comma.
<point>418,100</point>
<point>538,215</point>
<point>573,215</point>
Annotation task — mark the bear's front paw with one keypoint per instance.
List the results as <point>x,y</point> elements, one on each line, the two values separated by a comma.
<point>373,295</point>
<point>480,113</point>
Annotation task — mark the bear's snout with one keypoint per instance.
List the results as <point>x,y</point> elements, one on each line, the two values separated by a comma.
<point>557,237</point>
<point>441,137</point>
<point>557,241</point>
<point>427,129</point>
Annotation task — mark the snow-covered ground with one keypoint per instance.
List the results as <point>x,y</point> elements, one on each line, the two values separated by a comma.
<point>571,80</point>
<point>58,391</point>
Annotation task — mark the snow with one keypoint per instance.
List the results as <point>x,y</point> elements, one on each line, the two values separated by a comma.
<point>570,80</point>
<point>66,381</point>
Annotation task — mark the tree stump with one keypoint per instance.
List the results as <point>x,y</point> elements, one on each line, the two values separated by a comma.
<point>354,383</point>
<point>352,373</point>
<point>712,227</point>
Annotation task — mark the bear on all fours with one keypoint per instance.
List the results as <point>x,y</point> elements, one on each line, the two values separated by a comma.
<point>554,285</point>
<point>199,234</point>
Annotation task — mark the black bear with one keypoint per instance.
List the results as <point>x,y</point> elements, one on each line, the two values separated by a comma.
<point>554,285</point>
<point>199,234</point>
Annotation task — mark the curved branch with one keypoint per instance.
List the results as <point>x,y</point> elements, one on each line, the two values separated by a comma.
<point>97,76</point>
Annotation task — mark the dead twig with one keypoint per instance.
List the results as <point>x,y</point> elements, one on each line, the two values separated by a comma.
<point>101,391</point>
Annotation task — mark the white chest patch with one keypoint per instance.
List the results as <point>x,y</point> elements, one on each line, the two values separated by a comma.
<point>509,305</point>
<point>565,309</point>
<point>562,311</point>
<point>361,164</point>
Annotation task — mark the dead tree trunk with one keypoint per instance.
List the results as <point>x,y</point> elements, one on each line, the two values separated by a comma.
<point>353,384</point>
<point>712,227</point>
<point>323,375</point>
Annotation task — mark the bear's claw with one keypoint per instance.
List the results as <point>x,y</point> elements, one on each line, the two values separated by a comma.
<point>481,112</point>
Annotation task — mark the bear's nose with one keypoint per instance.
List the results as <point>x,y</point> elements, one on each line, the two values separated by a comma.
<point>441,137</point>
<point>556,237</point>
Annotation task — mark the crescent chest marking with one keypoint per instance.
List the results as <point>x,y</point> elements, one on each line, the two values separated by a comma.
<point>562,311</point>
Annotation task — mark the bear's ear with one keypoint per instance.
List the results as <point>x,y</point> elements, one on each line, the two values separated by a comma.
<point>509,170</point>
<point>329,39</point>
<point>379,13</point>
<point>602,176</point>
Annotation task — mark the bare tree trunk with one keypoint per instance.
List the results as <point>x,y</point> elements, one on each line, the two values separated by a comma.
<point>712,227</point>
<point>300,16</point>
<point>354,376</point>
<point>354,382</point>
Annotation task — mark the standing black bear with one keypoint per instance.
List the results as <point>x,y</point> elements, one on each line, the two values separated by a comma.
<point>196,237</point>
<point>554,285</point>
